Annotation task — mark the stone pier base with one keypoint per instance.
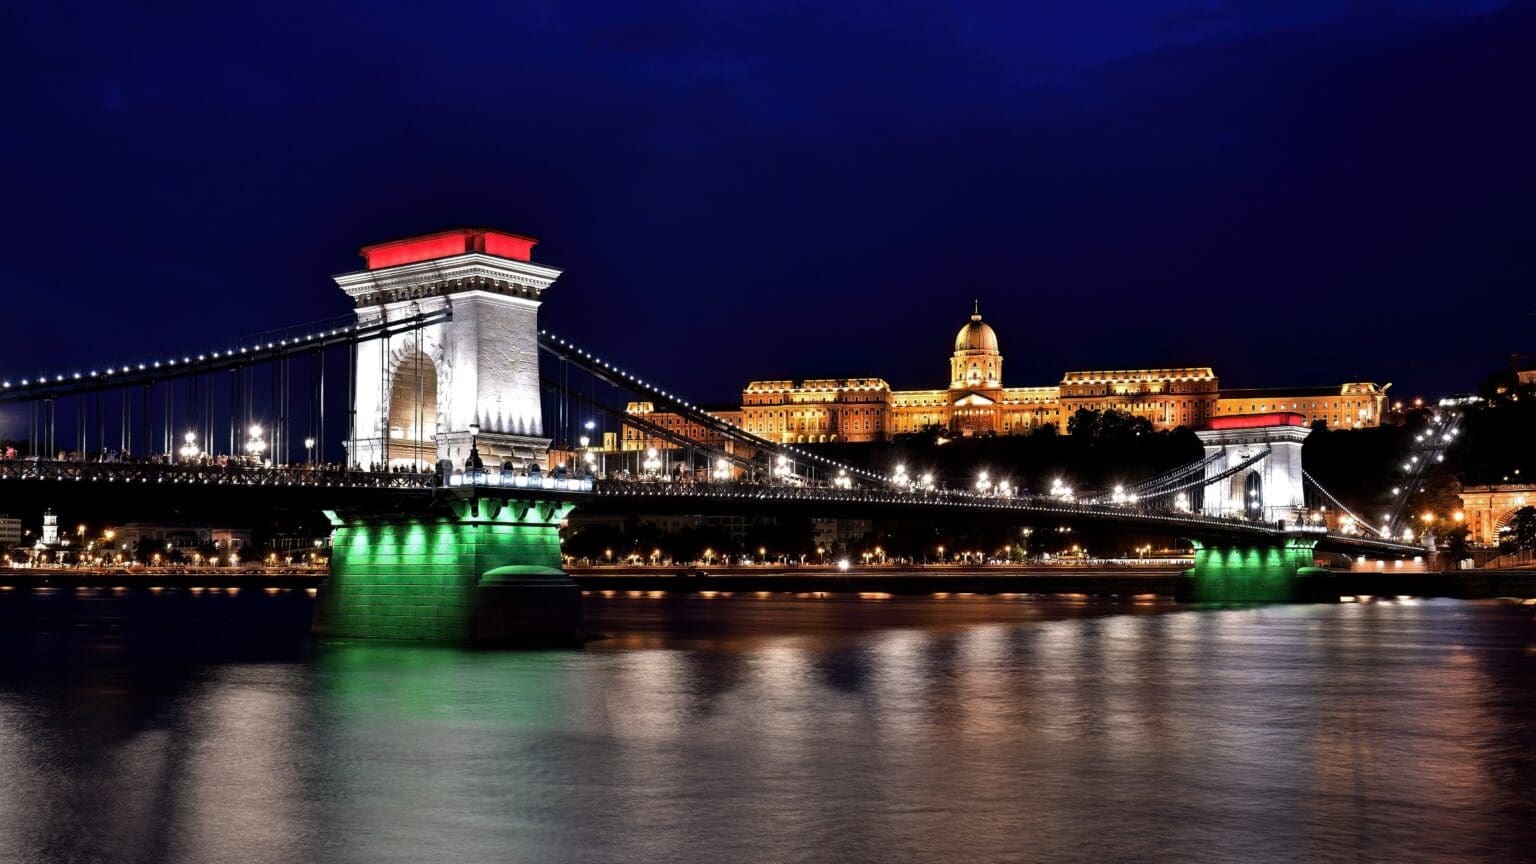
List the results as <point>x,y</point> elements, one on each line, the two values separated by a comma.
<point>467,569</point>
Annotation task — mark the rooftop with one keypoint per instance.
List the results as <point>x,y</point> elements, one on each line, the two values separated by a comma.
<point>446,244</point>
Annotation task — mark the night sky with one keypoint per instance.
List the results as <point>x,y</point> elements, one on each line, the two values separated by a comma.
<point>1294,193</point>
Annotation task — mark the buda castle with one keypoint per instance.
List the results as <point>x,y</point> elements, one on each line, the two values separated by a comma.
<point>822,410</point>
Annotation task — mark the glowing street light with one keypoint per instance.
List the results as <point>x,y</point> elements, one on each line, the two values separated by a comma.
<point>189,449</point>
<point>309,449</point>
<point>254,445</point>
<point>1061,490</point>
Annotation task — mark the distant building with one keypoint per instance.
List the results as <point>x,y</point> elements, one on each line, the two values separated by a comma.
<point>832,534</point>
<point>49,542</point>
<point>1347,406</point>
<point>10,532</point>
<point>1489,509</point>
<point>976,402</point>
<point>183,536</point>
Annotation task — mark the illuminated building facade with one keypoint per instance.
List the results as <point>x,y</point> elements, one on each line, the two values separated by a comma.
<point>825,410</point>
<point>1489,509</point>
<point>1349,406</point>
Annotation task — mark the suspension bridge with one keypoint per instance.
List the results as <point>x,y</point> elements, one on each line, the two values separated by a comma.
<point>444,504</point>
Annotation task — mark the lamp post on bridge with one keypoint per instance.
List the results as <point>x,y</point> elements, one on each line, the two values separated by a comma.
<point>473,467</point>
<point>254,445</point>
<point>189,450</point>
<point>602,452</point>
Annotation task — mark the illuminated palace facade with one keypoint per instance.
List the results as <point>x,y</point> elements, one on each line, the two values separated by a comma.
<point>822,410</point>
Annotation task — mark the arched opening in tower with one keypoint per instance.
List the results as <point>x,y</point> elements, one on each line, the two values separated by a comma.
<point>1253,495</point>
<point>413,413</point>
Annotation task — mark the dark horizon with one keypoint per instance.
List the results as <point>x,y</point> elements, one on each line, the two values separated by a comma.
<point>1293,196</point>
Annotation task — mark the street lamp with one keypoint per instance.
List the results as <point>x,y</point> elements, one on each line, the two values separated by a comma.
<point>189,450</point>
<point>309,449</point>
<point>473,467</point>
<point>603,460</point>
<point>652,462</point>
<point>254,445</point>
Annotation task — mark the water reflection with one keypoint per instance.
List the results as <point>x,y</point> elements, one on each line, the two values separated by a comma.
<point>782,729</point>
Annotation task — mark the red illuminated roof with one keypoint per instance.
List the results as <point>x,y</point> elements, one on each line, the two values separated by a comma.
<point>447,243</point>
<point>1254,421</point>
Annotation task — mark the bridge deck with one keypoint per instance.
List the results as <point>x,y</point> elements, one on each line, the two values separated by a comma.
<point>335,487</point>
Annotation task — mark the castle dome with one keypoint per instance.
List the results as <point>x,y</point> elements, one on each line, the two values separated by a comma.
<point>976,335</point>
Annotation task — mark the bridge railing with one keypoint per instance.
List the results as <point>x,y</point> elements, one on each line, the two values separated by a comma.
<point>212,475</point>
<point>952,497</point>
<point>491,479</point>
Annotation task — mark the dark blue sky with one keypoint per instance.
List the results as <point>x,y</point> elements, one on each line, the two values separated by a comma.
<point>1294,193</point>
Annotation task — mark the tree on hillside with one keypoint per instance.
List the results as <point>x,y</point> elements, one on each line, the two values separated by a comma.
<point>1111,425</point>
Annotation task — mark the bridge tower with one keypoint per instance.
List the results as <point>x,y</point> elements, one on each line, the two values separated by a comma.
<point>1270,489</point>
<point>471,565</point>
<point>417,394</point>
<point>1267,485</point>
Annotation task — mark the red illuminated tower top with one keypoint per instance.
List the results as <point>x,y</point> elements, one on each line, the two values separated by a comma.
<point>444,244</point>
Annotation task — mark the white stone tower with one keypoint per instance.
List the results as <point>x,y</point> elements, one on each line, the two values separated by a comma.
<point>418,394</point>
<point>1271,489</point>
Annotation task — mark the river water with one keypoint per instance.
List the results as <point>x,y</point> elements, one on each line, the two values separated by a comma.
<point>749,729</point>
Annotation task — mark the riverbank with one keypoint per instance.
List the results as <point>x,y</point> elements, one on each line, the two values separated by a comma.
<point>1098,581</point>
<point>214,603</point>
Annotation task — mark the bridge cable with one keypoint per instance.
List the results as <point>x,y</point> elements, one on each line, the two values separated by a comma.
<point>562,348</point>
<point>1337,503</point>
